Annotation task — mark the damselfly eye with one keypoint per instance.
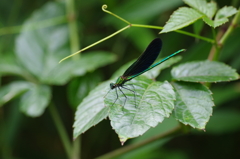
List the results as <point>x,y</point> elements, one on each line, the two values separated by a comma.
<point>112,86</point>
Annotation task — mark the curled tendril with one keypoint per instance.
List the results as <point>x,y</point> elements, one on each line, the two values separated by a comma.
<point>104,7</point>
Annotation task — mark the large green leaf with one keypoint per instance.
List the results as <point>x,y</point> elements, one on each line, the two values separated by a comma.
<point>202,6</point>
<point>181,18</point>
<point>35,100</point>
<point>88,62</point>
<point>41,50</point>
<point>12,90</point>
<point>204,71</point>
<point>148,105</point>
<point>193,105</point>
<point>92,110</point>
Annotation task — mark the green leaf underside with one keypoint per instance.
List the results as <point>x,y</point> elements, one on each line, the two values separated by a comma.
<point>92,110</point>
<point>181,18</point>
<point>204,71</point>
<point>35,100</point>
<point>154,102</point>
<point>202,6</point>
<point>193,105</point>
<point>12,90</point>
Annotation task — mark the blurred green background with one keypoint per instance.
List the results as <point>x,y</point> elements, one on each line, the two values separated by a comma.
<point>30,54</point>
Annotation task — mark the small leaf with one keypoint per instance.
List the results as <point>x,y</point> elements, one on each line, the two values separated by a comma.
<point>92,110</point>
<point>223,14</point>
<point>12,90</point>
<point>35,100</point>
<point>134,115</point>
<point>204,71</point>
<point>203,7</point>
<point>193,105</point>
<point>181,18</point>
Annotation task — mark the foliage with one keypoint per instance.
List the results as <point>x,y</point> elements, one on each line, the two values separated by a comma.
<point>33,80</point>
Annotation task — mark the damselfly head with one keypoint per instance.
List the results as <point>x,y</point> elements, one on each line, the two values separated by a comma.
<point>112,85</point>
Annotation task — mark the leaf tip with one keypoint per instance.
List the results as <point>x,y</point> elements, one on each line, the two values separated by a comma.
<point>122,139</point>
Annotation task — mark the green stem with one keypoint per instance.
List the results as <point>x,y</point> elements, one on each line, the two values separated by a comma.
<point>61,130</point>
<point>72,25</point>
<point>104,7</point>
<point>34,26</point>
<point>177,31</point>
<point>129,148</point>
<point>75,45</point>
<point>89,46</point>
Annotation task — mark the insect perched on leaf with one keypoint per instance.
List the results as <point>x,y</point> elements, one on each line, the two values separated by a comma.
<point>140,66</point>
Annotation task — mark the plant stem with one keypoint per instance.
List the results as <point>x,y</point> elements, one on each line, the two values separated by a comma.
<point>72,25</point>
<point>128,148</point>
<point>104,7</point>
<point>89,46</point>
<point>177,31</point>
<point>61,130</point>
<point>74,46</point>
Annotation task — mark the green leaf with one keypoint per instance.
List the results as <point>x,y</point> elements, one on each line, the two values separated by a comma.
<point>92,110</point>
<point>88,62</point>
<point>35,100</point>
<point>181,18</point>
<point>223,14</point>
<point>208,9</point>
<point>193,105</point>
<point>208,21</point>
<point>149,105</point>
<point>91,61</point>
<point>12,90</point>
<point>204,71</point>
<point>40,50</point>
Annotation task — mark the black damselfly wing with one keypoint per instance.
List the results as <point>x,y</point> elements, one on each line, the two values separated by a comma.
<point>146,59</point>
